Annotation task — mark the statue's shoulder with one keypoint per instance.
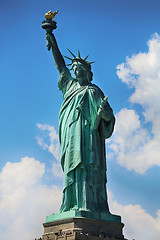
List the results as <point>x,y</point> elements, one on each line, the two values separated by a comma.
<point>65,74</point>
<point>64,78</point>
<point>97,90</point>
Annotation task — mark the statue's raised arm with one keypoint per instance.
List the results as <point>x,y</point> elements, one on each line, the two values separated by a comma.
<point>49,25</point>
<point>57,56</point>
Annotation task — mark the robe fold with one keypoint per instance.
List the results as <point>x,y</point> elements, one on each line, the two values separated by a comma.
<point>83,154</point>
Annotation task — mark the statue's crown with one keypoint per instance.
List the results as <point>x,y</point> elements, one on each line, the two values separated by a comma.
<point>86,64</point>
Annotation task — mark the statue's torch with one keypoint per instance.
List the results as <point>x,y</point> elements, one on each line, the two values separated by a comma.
<point>49,24</point>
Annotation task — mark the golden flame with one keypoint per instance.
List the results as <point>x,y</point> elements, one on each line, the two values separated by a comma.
<point>50,15</point>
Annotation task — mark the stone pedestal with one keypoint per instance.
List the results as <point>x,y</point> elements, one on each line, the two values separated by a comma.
<point>83,228</point>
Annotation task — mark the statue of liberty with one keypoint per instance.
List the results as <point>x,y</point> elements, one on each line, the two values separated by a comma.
<point>85,121</point>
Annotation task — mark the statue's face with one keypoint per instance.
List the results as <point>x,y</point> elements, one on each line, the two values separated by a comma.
<point>78,70</point>
<point>80,73</point>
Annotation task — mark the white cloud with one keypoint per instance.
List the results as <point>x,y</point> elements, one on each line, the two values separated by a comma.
<point>53,146</point>
<point>49,140</point>
<point>136,147</point>
<point>132,144</point>
<point>138,223</point>
<point>142,72</point>
<point>24,200</point>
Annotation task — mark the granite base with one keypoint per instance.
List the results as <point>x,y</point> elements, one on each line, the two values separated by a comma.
<point>83,228</point>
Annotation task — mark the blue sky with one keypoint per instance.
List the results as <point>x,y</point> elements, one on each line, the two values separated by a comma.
<point>123,37</point>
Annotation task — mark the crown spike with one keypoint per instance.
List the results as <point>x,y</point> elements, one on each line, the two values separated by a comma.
<point>68,58</point>
<point>91,62</point>
<point>85,58</point>
<point>79,55</point>
<point>71,53</point>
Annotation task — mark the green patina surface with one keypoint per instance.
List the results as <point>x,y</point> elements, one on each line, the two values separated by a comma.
<point>83,156</point>
<point>85,121</point>
<point>83,214</point>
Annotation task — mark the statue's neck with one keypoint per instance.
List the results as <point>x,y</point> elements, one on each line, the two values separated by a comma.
<point>83,82</point>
